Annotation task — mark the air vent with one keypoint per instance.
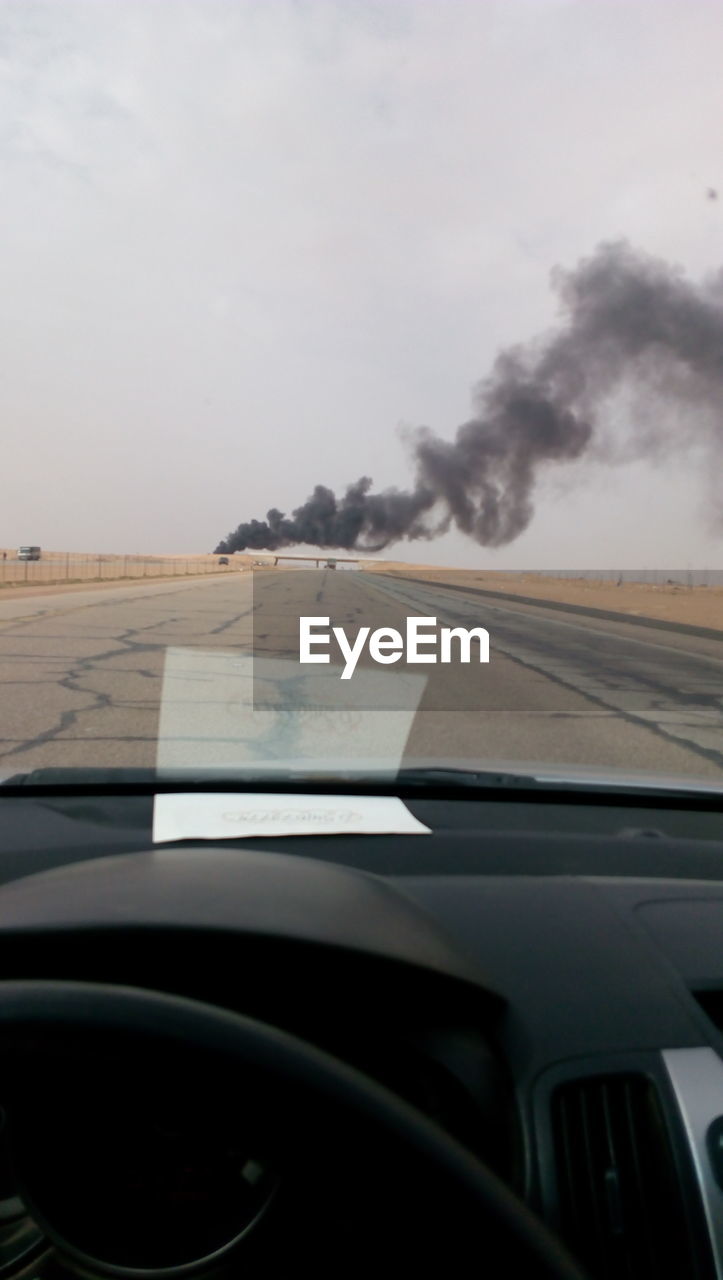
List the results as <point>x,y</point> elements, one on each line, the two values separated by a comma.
<point>620,1205</point>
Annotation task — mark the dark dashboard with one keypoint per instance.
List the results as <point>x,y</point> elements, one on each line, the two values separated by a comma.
<point>542,980</point>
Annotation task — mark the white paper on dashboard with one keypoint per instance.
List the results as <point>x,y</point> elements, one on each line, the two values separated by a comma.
<point>229,816</point>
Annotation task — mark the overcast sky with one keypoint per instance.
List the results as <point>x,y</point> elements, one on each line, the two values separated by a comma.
<point>243,244</point>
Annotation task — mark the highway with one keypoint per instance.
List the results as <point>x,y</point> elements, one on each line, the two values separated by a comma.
<point>158,674</point>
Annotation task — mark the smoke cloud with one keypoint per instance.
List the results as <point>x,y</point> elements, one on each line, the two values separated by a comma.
<point>630,326</point>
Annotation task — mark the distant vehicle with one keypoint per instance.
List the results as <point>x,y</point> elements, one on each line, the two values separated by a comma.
<point>223,560</point>
<point>28,553</point>
<point>331,564</point>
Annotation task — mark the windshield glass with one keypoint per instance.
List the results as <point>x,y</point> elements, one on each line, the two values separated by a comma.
<point>362,387</point>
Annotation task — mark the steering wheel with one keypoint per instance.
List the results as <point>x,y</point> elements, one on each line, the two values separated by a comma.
<point>415,1196</point>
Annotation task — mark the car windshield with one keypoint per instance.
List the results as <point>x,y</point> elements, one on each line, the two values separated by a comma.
<point>362,389</point>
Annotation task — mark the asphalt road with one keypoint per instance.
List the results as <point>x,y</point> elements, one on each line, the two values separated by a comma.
<point>83,675</point>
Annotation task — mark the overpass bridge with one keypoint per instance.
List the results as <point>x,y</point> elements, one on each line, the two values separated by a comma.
<point>318,560</point>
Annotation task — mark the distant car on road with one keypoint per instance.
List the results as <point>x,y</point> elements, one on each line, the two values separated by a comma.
<point>223,560</point>
<point>331,564</point>
<point>28,553</point>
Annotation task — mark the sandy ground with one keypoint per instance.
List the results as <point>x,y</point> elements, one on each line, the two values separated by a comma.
<point>695,606</point>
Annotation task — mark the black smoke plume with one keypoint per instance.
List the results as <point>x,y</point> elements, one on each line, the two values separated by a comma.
<point>631,325</point>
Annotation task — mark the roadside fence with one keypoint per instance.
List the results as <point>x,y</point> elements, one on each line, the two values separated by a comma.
<point>72,566</point>
<point>660,577</point>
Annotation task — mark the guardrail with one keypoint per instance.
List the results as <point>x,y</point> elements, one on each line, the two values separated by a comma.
<point>59,567</point>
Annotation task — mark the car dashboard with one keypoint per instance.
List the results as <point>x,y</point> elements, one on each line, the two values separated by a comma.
<point>543,980</point>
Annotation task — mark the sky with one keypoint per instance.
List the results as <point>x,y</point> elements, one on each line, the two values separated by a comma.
<point>245,245</point>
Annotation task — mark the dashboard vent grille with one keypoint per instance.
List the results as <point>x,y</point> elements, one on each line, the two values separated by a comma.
<point>620,1204</point>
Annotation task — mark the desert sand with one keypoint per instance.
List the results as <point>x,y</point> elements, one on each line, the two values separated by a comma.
<point>693,606</point>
